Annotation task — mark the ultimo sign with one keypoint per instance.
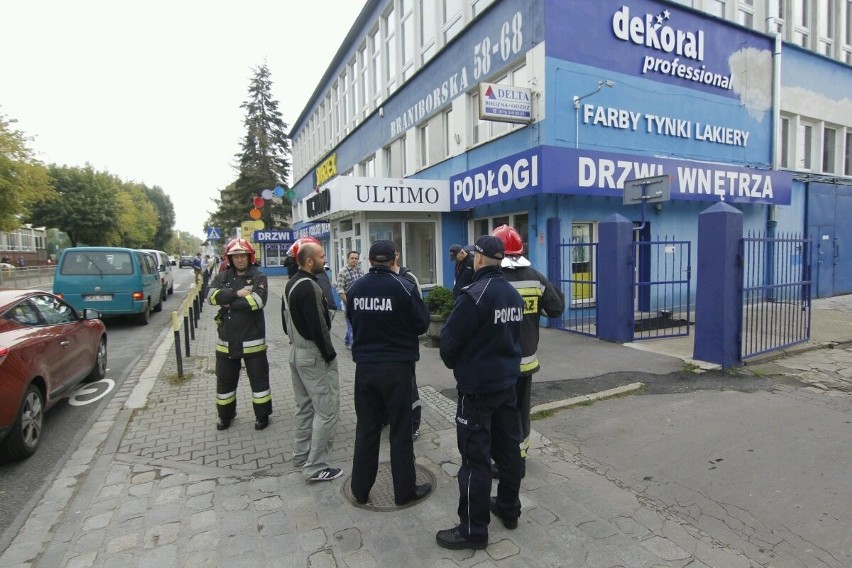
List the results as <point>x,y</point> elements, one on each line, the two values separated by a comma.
<point>516,175</point>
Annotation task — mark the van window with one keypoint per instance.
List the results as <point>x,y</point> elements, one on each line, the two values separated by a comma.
<point>92,263</point>
<point>148,265</point>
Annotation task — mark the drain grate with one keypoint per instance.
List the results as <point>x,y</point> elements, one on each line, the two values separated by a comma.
<point>381,497</point>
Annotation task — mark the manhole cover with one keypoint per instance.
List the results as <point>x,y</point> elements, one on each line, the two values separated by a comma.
<point>381,497</point>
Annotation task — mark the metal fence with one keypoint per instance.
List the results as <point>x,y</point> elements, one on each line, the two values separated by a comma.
<point>28,277</point>
<point>661,294</point>
<point>579,284</point>
<point>776,292</point>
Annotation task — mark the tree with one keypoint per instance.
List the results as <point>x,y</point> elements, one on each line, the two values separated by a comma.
<point>165,215</point>
<point>86,208</point>
<point>23,179</point>
<point>137,217</point>
<point>263,160</point>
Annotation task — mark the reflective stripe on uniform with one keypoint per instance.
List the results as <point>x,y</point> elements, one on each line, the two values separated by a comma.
<point>525,446</point>
<point>529,363</point>
<point>256,302</point>
<point>254,349</point>
<point>213,295</point>
<point>227,398</point>
<point>261,397</point>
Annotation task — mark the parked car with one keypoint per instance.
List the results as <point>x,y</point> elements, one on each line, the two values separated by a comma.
<point>6,267</point>
<point>172,260</point>
<point>113,280</point>
<point>185,261</point>
<point>167,279</point>
<point>46,348</point>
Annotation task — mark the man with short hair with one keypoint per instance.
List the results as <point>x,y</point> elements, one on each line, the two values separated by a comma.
<point>197,266</point>
<point>313,366</point>
<point>480,342</point>
<point>345,277</point>
<point>464,268</point>
<point>388,315</point>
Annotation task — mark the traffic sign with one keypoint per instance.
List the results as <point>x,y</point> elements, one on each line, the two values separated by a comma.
<point>213,234</point>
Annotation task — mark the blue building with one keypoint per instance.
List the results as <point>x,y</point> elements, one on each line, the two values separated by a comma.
<point>439,120</point>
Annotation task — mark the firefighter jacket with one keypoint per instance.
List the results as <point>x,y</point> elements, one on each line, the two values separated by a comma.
<point>307,308</point>
<point>388,315</point>
<point>242,329</point>
<point>541,298</point>
<point>481,339</point>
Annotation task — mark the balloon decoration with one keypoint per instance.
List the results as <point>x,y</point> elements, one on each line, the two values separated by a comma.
<point>279,191</point>
<point>267,194</point>
<point>258,202</point>
<point>254,213</point>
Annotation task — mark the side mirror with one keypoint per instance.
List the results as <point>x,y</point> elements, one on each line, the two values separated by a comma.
<point>91,314</point>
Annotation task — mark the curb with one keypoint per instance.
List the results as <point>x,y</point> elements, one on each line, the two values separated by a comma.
<point>602,395</point>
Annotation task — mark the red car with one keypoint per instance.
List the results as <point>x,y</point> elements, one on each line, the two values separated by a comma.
<point>46,349</point>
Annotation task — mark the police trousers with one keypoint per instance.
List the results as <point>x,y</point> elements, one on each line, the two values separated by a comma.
<point>227,378</point>
<point>488,425</point>
<point>383,390</point>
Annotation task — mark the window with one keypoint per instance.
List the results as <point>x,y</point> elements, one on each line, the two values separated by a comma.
<point>801,22</point>
<point>775,20</point>
<point>716,7</point>
<point>376,67</point>
<point>847,155</point>
<point>805,146</point>
<point>423,142</point>
<point>745,13</point>
<point>406,39</point>
<point>829,138</point>
<point>363,81</point>
<point>582,263</point>
<point>390,50</point>
<point>420,251</point>
<point>480,5</point>
<point>825,26</point>
<point>427,30</point>
<point>449,134</point>
<point>785,143</point>
<point>519,221</point>
<point>452,21</point>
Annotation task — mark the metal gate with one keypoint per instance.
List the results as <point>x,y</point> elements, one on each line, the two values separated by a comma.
<point>776,292</point>
<point>661,291</point>
<point>579,283</point>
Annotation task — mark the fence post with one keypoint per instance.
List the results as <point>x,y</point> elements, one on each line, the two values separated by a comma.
<point>615,279</point>
<point>187,330</point>
<point>176,329</point>
<point>718,298</point>
<point>554,262</point>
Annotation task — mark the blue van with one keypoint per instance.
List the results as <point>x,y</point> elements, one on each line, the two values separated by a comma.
<point>115,281</point>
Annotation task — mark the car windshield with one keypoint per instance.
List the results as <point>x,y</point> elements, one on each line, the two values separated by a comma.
<point>94,263</point>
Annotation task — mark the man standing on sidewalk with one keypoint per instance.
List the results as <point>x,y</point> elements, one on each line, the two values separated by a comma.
<point>481,343</point>
<point>345,277</point>
<point>541,298</point>
<point>240,292</point>
<point>313,365</point>
<point>388,315</point>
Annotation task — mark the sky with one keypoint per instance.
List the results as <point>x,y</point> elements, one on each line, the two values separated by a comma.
<point>151,91</point>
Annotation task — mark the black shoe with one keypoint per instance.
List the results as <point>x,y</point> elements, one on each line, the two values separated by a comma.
<point>420,491</point>
<point>261,423</point>
<point>452,538</point>
<point>510,524</point>
<point>223,423</point>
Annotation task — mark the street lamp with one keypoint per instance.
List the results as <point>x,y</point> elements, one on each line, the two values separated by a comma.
<point>601,84</point>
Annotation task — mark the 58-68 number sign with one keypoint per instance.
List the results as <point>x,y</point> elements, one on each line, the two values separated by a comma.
<point>510,43</point>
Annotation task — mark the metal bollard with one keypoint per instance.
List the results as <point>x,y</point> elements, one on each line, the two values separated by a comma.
<point>186,332</point>
<point>191,323</point>
<point>176,329</point>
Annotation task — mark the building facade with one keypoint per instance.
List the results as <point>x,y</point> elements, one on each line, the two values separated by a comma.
<point>24,246</point>
<point>439,120</point>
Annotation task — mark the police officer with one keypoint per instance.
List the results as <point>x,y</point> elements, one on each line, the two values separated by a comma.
<point>463,258</point>
<point>480,342</point>
<point>240,292</point>
<point>541,298</point>
<point>387,315</point>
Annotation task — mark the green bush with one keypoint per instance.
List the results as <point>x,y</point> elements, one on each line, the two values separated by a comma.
<point>440,301</point>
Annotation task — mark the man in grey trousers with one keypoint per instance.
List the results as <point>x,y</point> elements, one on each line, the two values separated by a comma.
<point>313,366</point>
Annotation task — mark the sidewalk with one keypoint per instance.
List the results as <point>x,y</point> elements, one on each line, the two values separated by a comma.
<point>155,484</point>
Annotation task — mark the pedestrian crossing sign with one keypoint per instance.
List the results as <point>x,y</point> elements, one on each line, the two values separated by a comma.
<point>213,234</point>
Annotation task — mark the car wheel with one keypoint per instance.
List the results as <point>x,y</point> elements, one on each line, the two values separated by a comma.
<point>99,370</point>
<point>172,289</point>
<point>145,316</point>
<point>25,435</point>
<point>158,307</point>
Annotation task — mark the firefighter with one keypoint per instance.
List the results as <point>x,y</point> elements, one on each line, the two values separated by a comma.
<point>541,298</point>
<point>240,293</point>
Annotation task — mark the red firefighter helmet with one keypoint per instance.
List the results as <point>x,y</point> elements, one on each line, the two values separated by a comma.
<point>294,248</point>
<point>513,245</point>
<point>240,246</point>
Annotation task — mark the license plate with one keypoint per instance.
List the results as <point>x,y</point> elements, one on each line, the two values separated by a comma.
<point>101,298</point>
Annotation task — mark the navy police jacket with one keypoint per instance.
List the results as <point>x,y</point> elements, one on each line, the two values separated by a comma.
<point>388,315</point>
<point>481,340</point>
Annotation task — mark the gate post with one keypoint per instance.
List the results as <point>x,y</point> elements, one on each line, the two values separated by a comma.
<point>554,262</point>
<point>718,298</point>
<point>615,279</point>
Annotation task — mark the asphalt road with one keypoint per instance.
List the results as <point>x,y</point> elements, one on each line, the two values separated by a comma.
<point>23,483</point>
